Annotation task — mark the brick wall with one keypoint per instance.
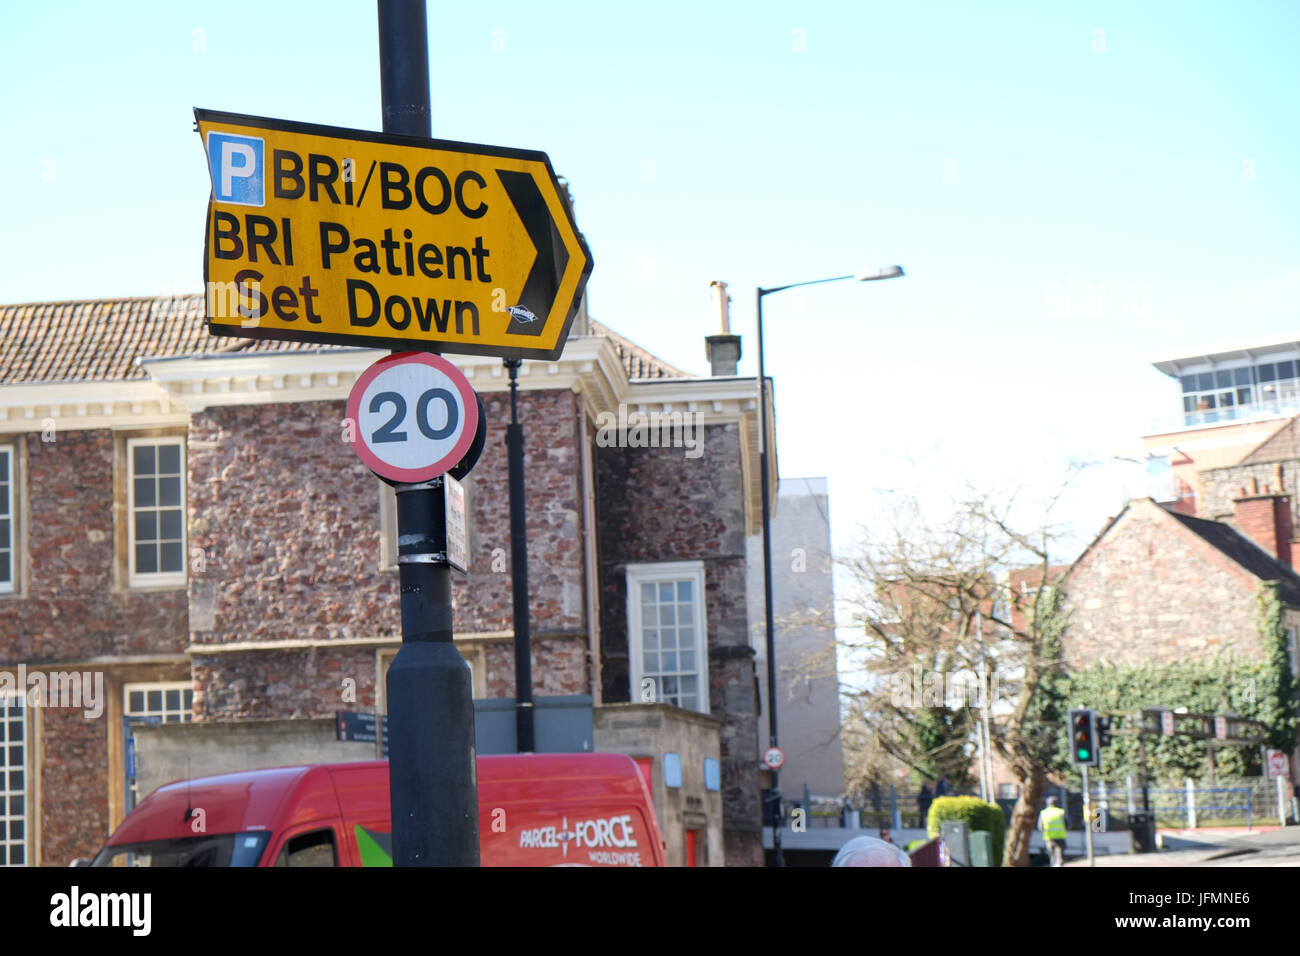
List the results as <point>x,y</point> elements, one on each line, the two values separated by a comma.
<point>559,667</point>
<point>553,485</point>
<point>306,682</point>
<point>288,518</point>
<point>1150,590</point>
<point>74,605</point>
<point>1221,486</point>
<point>657,505</point>
<point>1266,520</point>
<point>74,785</point>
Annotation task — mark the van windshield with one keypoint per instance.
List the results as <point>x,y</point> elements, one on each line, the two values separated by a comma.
<point>228,849</point>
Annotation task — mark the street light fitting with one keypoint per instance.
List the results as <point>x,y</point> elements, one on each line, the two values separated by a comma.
<point>878,272</point>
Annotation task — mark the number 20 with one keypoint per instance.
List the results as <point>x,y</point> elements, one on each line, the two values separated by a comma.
<point>387,433</point>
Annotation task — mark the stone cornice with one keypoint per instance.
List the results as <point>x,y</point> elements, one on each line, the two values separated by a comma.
<point>298,644</point>
<point>196,382</point>
<point>83,405</point>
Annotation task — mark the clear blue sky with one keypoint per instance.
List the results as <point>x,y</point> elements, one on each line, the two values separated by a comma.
<point>1015,160</point>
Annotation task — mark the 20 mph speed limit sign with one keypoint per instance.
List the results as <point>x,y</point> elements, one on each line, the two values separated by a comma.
<point>773,758</point>
<point>413,417</point>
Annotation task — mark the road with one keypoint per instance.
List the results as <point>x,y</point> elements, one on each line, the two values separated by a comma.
<point>1275,847</point>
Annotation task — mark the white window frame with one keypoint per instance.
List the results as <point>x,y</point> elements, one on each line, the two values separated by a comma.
<point>659,573</point>
<point>164,686</point>
<point>1293,652</point>
<point>155,578</point>
<point>10,480</point>
<point>25,817</point>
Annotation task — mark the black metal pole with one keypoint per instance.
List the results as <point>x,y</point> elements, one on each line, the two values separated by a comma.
<point>778,859</point>
<point>519,570</point>
<point>1146,779</point>
<point>404,67</point>
<point>434,794</point>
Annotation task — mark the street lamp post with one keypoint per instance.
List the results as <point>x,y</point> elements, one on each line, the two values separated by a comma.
<point>865,275</point>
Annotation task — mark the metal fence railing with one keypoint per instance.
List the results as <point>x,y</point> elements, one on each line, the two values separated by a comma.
<point>1245,802</point>
<point>892,809</point>
<point>1240,802</point>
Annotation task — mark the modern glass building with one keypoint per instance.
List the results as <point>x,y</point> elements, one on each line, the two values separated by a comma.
<point>1248,381</point>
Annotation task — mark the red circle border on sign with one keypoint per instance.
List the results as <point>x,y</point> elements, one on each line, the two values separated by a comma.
<point>411,476</point>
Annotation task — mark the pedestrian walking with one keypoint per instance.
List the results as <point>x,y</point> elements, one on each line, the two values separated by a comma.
<point>923,801</point>
<point>1052,822</point>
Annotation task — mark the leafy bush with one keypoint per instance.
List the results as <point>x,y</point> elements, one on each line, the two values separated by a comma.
<point>977,814</point>
<point>1259,688</point>
<point>1213,686</point>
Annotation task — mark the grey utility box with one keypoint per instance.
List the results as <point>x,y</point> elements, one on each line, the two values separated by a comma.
<point>561,725</point>
<point>954,834</point>
<point>981,848</point>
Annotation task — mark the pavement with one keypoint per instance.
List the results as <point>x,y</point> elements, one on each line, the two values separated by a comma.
<point>1268,846</point>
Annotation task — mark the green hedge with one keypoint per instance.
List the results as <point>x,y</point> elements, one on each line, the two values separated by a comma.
<point>977,814</point>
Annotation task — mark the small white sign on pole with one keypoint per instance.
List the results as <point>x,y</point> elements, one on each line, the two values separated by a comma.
<point>457,537</point>
<point>1277,763</point>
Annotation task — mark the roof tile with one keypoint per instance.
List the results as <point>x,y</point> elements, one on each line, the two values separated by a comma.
<point>101,339</point>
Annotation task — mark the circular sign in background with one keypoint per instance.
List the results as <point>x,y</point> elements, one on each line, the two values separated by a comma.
<point>413,415</point>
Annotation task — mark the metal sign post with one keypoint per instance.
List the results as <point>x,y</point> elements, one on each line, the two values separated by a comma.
<point>397,240</point>
<point>431,764</point>
<point>524,733</point>
<point>414,418</point>
<point>1087,815</point>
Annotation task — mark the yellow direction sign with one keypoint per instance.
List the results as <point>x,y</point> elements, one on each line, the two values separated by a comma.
<point>321,234</point>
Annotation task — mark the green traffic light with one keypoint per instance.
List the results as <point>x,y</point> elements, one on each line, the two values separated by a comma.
<point>1083,755</point>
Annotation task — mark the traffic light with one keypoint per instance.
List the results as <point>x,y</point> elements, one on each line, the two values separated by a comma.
<point>1102,723</point>
<point>1083,738</point>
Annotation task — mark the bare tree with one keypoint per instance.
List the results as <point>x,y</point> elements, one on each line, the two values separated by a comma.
<point>954,622</point>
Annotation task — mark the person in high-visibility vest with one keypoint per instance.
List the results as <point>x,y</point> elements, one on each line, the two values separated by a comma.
<point>1052,822</point>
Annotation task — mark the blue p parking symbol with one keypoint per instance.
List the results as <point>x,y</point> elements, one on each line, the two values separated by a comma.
<point>237,168</point>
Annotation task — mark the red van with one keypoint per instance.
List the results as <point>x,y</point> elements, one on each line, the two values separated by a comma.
<point>534,810</point>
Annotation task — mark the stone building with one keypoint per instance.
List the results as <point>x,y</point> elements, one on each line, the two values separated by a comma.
<point>1238,404</point>
<point>1161,586</point>
<point>182,524</point>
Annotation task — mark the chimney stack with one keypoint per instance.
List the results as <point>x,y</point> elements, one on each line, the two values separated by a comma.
<point>721,306</point>
<point>722,348</point>
<point>1264,517</point>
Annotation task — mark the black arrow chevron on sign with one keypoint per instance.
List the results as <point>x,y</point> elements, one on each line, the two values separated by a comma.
<point>543,282</point>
